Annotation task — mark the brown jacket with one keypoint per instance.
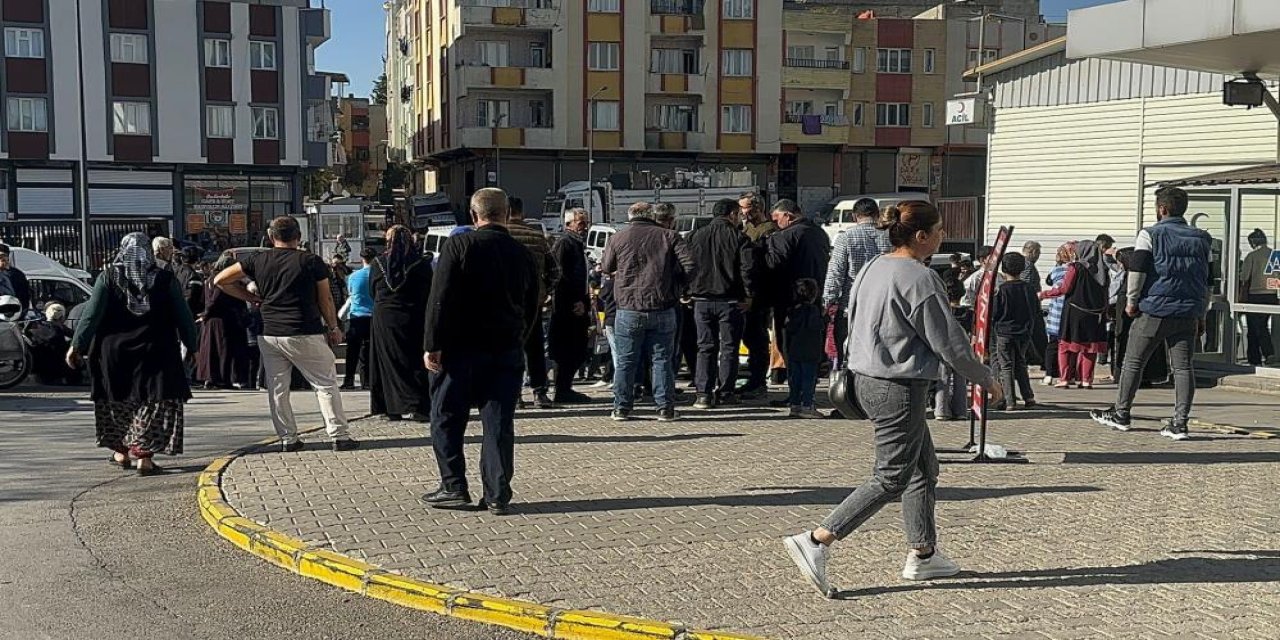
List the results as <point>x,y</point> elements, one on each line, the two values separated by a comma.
<point>650,266</point>
<point>540,248</point>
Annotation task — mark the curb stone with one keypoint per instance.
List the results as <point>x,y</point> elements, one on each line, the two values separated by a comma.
<point>353,575</point>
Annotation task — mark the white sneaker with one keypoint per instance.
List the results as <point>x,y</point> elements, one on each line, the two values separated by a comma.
<point>937,565</point>
<point>810,558</point>
<point>1047,382</point>
<point>600,384</point>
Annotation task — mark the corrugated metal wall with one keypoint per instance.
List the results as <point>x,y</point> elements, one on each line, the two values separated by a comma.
<point>1054,80</point>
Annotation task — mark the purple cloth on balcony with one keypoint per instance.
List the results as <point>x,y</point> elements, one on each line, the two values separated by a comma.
<point>811,125</point>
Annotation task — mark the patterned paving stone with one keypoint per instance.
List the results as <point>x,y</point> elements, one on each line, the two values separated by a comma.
<point>1104,534</point>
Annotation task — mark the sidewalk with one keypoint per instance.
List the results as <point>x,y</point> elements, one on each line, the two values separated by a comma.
<point>1105,534</point>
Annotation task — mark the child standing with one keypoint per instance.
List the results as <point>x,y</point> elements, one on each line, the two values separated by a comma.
<point>1053,319</point>
<point>951,400</point>
<point>1012,318</point>
<point>806,330</point>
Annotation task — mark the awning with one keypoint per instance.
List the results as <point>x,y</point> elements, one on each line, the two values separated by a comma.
<point>1231,37</point>
<point>1266,174</point>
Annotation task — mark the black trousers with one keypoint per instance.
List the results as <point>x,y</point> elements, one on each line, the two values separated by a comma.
<point>490,381</point>
<point>1012,365</point>
<point>357,351</point>
<point>567,338</point>
<point>719,327</point>
<point>687,339</point>
<point>1260,347</point>
<point>535,355</point>
<point>755,335</point>
<point>841,330</point>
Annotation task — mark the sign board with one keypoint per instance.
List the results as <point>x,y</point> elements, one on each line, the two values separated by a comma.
<point>982,318</point>
<point>913,170</point>
<point>1273,271</point>
<point>216,200</point>
<point>964,111</point>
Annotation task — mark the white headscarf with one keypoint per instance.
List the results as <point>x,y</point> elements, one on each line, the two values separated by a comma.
<point>134,272</point>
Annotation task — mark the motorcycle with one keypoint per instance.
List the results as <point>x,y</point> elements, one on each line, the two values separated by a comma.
<point>15,349</point>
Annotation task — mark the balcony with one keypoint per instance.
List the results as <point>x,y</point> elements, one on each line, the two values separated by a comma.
<point>676,83</point>
<point>315,25</point>
<point>676,7</point>
<point>803,73</point>
<point>657,140</point>
<point>527,14</point>
<point>509,77</point>
<point>813,63</point>
<point>835,129</point>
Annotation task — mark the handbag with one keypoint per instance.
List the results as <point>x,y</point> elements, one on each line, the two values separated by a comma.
<point>843,393</point>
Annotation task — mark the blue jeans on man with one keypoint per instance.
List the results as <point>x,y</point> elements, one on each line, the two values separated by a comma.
<point>638,332</point>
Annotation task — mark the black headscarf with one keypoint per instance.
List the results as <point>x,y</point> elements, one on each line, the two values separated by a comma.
<point>400,256</point>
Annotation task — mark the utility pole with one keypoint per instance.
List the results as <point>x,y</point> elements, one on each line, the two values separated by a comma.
<point>82,188</point>
<point>591,140</point>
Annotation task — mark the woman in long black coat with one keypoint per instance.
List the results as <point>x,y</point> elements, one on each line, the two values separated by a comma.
<point>401,281</point>
<point>130,331</point>
<point>224,343</point>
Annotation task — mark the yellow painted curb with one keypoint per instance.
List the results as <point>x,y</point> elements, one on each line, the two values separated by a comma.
<point>353,575</point>
<point>1265,434</point>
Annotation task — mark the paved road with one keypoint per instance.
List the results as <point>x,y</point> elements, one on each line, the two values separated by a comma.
<point>88,551</point>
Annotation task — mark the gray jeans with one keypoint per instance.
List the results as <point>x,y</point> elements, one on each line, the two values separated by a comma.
<point>1146,335</point>
<point>906,464</point>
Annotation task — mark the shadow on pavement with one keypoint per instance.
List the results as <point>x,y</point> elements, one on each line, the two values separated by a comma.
<point>542,438</point>
<point>1171,457</point>
<point>1251,566</point>
<point>795,496</point>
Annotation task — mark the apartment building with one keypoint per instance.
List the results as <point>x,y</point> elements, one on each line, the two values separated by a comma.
<point>194,118</point>
<point>520,92</point>
<point>363,127</point>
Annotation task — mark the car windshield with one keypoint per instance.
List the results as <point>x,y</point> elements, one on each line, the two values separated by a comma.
<point>551,207</point>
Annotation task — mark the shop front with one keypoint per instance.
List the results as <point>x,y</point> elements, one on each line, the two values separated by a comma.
<point>221,211</point>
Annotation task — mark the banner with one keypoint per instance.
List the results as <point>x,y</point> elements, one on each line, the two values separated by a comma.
<point>982,317</point>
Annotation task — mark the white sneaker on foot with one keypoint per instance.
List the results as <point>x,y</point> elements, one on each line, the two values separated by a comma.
<point>811,558</point>
<point>600,384</point>
<point>1048,381</point>
<point>935,566</point>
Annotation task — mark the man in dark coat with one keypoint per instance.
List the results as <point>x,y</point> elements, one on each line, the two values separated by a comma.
<point>570,307</point>
<point>800,249</point>
<point>484,301</point>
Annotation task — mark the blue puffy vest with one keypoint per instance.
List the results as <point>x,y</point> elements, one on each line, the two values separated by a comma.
<point>1180,253</point>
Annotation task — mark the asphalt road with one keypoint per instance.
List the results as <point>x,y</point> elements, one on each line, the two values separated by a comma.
<point>90,551</point>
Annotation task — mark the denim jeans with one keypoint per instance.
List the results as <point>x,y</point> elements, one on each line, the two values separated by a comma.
<point>802,379</point>
<point>1146,335</point>
<point>952,397</point>
<point>1012,361</point>
<point>637,333</point>
<point>906,464</point>
<point>490,381</point>
<point>719,332</point>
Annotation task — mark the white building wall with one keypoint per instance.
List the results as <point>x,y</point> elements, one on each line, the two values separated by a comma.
<point>289,59</point>
<point>768,76</point>
<point>241,81</point>
<point>177,63</point>
<point>1072,172</point>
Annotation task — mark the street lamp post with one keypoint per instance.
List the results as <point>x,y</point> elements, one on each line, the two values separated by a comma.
<point>497,150</point>
<point>591,143</point>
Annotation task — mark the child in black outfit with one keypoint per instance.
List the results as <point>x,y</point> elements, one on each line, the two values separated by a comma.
<point>806,332</point>
<point>1012,318</point>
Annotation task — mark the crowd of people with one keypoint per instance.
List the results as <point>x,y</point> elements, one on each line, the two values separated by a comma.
<point>429,342</point>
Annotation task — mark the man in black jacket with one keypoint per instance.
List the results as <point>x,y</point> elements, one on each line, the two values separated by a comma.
<point>17,280</point>
<point>570,307</point>
<point>722,291</point>
<point>800,249</point>
<point>484,299</point>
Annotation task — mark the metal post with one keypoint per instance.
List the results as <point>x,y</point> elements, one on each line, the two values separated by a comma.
<point>591,143</point>
<point>82,191</point>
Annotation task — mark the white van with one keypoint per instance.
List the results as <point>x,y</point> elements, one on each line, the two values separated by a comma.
<point>597,236</point>
<point>50,281</point>
<point>841,216</point>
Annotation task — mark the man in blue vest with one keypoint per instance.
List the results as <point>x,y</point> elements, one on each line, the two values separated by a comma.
<point>1168,293</point>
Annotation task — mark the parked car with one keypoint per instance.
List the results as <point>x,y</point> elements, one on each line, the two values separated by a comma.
<point>50,281</point>
<point>597,237</point>
<point>837,215</point>
<point>686,225</point>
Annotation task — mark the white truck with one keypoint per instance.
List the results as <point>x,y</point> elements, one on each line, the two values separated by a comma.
<point>692,193</point>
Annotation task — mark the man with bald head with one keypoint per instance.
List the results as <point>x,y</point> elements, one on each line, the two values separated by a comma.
<point>484,301</point>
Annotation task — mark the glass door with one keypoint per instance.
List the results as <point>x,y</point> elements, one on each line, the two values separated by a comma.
<point>1255,281</point>
<point>1212,212</point>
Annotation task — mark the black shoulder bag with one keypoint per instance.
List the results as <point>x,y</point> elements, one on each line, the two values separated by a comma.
<point>842,394</point>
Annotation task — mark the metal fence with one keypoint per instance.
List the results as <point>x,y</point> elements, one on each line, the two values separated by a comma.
<point>676,7</point>
<point>61,240</point>
<point>959,217</point>
<point>814,63</point>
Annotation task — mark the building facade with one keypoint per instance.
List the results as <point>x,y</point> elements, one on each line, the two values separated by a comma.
<point>194,118</point>
<point>363,127</point>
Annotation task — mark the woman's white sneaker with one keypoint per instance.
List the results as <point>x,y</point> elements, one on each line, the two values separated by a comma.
<point>811,558</point>
<point>935,566</point>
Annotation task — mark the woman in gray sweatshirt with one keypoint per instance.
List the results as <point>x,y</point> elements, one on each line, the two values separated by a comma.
<point>901,332</point>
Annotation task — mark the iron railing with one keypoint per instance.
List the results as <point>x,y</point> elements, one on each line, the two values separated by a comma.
<point>676,7</point>
<point>814,63</point>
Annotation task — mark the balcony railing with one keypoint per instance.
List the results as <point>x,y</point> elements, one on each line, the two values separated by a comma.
<point>518,62</point>
<point>517,4</point>
<point>814,63</point>
<point>676,7</point>
<point>834,121</point>
<point>516,121</point>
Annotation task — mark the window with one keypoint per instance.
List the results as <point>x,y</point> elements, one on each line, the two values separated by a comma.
<point>129,48</point>
<point>674,117</point>
<point>219,121</point>
<point>988,55</point>
<point>217,53</point>
<point>602,56</point>
<point>893,114</point>
<point>603,6</point>
<point>262,55</point>
<point>266,121</point>
<point>799,107</point>
<point>27,114</point>
<point>859,111</point>
<point>859,59</point>
<point>493,53</point>
<point>604,115</point>
<point>493,113</point>
<point>737,62</point>
<point>683,61</point>
<point>833,54</point>
<point>930,60</point>
<point>537,55</point>
<point>23,43</point>
<point>893,60</point>
<point>833,109</point>
<point>538,116</point>
<point>800,52</point>
<point>132,118</point>
<point>739,9</point>
<point>735,118</point>
<point>926,115</point>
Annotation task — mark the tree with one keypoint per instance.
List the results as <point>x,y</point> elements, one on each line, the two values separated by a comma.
<point>393,177</point>
<point>379,93</point>
<point>316,181</point>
